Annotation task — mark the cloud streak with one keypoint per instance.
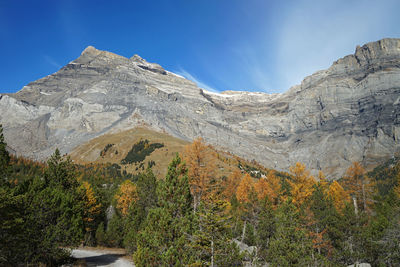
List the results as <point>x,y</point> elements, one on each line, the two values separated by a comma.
<point>199,83</point>
<point>52,62</point>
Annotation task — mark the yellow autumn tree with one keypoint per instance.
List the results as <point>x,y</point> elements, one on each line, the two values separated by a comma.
<point>358,185</point>
<point>301,185</point>
<point>339,196</point>
<point>126,196</point>
<point>262,188</point>
<point>92,207</point>
<point>323,182</point>
<point>268,187</point>
<point>200,162</point>
<point>244,189</point>
<point>231,184</point>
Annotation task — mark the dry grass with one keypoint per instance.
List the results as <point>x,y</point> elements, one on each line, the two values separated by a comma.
<point>123,142</point>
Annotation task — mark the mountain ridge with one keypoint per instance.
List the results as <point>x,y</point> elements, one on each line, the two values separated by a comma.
<point>348,112</point>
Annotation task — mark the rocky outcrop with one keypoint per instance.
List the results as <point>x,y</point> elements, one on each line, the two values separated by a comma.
<point>349,112</point>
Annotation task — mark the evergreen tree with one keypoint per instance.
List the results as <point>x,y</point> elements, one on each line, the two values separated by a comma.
<point>290,245</point>
<point>101,238</point>
<point>61,172</point>
<point>164,240</point>
<point>266,229</point>
<point>115,231</point>
<point>147,199</point>
<point>12,228</point>
<point>4,158</point>
<point>211,243</point>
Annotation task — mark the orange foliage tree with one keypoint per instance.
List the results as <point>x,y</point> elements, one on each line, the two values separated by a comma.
<point>318,236</point>
<point>339,196</point>
<point>244,189</point>
<point>231,184</point>
<point>323,182</point>
<point>92,208</point>
<point>200,162</point>
<point>358,185</point>
<point>126,196</point>
<point>301,185</point>
<point>268,187</point>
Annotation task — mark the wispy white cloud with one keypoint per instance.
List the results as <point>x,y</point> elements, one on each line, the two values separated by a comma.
<point>254,66</point>
<point>52,62</point>
<point>315,33</point>
<point>191,77</point>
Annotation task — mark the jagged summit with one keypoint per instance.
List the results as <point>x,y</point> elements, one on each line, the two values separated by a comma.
<point>90,49</point>
<point>349,112</point>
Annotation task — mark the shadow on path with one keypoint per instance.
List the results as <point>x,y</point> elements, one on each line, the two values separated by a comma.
<point>105,259</point>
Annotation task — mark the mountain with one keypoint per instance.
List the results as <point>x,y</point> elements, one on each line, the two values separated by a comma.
<point>349,112</point>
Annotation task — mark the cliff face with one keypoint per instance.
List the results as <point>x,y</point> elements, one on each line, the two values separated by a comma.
<point>349,112</point>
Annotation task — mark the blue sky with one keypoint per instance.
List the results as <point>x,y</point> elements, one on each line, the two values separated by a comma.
<point>252,45</point>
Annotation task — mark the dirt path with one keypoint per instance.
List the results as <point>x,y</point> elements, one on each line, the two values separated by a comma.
<point>102,257</point>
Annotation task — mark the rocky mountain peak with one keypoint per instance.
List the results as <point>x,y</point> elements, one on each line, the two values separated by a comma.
<point>349,112</point>
<point>90,50</point>
<point>382,49</point>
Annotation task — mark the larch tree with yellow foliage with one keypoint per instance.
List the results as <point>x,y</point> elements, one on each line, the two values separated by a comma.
<point>301,185</point>
<point>92,209</point>
<point>126,196</point>
<point>323,181</point>
<point>231,184</point>
<point>269,187</point>
<point>245,193</point>
<point>244,189</point>
<point>200,162</point>
<point>338,195</point>
<point>358,185</point>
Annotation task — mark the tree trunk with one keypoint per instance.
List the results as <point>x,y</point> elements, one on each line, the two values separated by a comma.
<point>212,253</point>
<point>364,198</point>
<point>194,203</point>
<point>244,231</point>
<point>355,206</point>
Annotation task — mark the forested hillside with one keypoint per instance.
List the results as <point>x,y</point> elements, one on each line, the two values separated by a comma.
<point>197,216</point>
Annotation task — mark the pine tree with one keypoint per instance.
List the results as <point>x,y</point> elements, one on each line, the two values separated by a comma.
<point>147,199</point>
<point>4,158</point>
<point>61,172</point>
<point>211,243</point>
<point>164,240</point>
<point>266,229</point>
<point>290,245</point>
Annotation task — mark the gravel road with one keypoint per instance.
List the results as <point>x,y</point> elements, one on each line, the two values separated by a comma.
<point>103,257</point>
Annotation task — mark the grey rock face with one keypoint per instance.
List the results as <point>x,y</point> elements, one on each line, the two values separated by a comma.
<point>349,112</point>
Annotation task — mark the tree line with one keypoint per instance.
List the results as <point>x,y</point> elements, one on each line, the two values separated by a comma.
<point>193,217</point>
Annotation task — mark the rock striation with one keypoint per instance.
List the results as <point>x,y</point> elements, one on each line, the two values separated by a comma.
<point>349,112</point>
